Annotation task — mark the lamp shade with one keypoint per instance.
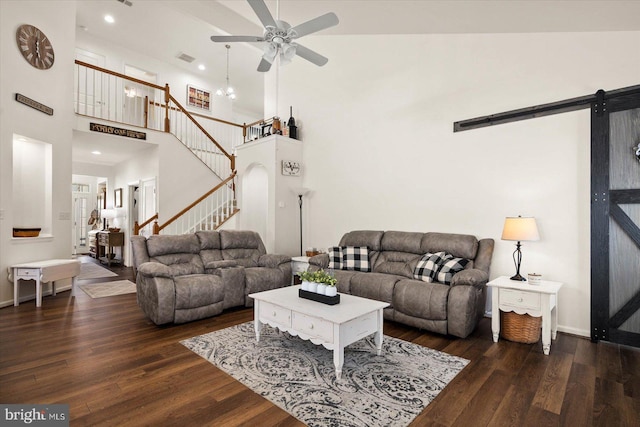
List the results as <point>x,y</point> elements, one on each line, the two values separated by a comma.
<point>108,213</point>
<point>520,229</point>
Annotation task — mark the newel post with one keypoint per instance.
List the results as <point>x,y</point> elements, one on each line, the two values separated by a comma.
<point>156,227</point>
<point>167,97</point>
<point>136,228</point>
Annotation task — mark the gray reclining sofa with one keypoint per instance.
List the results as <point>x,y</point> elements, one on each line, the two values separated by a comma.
<point>453,305</point>
<point>193,276</point>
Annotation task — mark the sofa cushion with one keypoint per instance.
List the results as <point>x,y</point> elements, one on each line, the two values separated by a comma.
<point>398,263</point>
<point>162,245</point>
<point>402,241</point>
<point>209,247</point>
<point>417,299</point>
<point>245,247</point>
<point>428,266</point>
<point>258,279</point>
<point>356,258</point>
<point>377,286</point>
<point>458,245</point>
<point>449,267</point>
<point>197,290</point>
<point>335,258</point>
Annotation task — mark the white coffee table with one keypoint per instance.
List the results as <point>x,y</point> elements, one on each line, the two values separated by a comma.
<point>332,326</point>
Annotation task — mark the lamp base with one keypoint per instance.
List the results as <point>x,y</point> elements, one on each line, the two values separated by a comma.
<point>518,277</point>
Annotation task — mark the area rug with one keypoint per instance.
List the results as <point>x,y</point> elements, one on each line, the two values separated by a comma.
<point>89,270</point>
<point>108,289</point>
<point>299,377</point>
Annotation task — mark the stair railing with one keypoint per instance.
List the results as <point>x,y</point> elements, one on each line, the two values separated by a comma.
<point>145,228</point>
<point>208,212</point>
<point>112,96</point>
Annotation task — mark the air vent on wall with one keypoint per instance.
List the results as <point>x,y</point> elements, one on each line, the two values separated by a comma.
<point>127,2</point>
<point>185,57</point>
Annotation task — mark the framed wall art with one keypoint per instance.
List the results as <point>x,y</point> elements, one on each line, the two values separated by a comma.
<point>117,198</point>
<point>198,98</point>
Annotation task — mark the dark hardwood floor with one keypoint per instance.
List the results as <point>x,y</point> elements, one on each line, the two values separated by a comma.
<point>114,367</point>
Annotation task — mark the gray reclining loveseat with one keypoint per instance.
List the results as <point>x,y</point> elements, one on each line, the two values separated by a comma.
<point>403,269</point>
<point>192,276</point>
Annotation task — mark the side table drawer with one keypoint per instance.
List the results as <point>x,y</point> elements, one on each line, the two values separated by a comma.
<point>103,239</point>
<point>520,299</point>
<point>275,313</point>
<point>27,272</point>
<point>313,327</point>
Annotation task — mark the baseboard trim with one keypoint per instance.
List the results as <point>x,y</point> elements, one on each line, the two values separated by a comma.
<point>32,297</point>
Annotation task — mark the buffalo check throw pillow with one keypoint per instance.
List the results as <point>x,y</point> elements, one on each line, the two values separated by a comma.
<point>335,258</point>
<point>449,267</point>
<point>428,266</point>
<point>355,258</point>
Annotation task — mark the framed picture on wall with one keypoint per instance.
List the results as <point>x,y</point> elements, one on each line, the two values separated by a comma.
<point>117,197</point>
<point>198,98</point>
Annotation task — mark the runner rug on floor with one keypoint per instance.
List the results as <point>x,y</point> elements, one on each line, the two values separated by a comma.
<point>89,270</point>
<point>299,377</point>
<point>108,289</point>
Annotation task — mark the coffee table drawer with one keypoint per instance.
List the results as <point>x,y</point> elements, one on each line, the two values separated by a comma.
<point>275,313</point>
<point>313,326</point>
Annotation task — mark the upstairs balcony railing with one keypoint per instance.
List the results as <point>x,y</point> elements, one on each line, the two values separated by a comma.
<point>112,96</point>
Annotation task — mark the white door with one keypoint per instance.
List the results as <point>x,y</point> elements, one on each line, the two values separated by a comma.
<point>147,203</point>
<point>80,222</point>
<point>88,91</point>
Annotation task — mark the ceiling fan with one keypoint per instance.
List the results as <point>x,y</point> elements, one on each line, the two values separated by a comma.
<point>279,37</point>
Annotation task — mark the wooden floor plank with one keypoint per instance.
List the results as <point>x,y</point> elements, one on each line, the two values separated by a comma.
<point>114,367</point>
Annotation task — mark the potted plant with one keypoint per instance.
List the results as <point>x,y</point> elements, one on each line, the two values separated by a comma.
<point>318,281</point>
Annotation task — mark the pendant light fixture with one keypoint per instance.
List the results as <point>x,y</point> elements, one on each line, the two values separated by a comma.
<point>228,92</point>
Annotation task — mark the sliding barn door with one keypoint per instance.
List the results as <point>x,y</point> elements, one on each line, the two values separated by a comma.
<point>615,218</point>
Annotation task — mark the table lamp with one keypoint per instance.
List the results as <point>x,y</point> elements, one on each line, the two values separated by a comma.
<point>519,229</point>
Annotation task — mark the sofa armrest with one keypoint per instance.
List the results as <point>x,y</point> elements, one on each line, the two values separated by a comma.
<point>321,261</point>
<point>154,269</point>
<point>273,260</point>
<point>156,295</point>
<point>471,277</point>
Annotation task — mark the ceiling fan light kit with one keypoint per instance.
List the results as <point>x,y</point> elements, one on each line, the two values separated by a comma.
<point>279,37</point>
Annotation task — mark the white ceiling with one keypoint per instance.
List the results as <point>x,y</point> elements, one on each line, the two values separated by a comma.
<point>164,29</point>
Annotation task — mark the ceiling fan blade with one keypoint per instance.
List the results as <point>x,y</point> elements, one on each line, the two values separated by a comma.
<point>263,13</point>
<point>264,66</point>
<point>320,23</point>
<point>229,39</point>
<point>310,55</point>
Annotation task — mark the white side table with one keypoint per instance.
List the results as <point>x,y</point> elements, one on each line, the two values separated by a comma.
<point>523,298</point>
<point>298,264</point>
<point>44,272</point>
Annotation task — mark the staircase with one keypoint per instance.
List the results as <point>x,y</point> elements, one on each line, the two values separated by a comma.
<point>108,95</point>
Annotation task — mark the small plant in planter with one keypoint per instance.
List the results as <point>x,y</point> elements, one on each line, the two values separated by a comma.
<point>318,281</point>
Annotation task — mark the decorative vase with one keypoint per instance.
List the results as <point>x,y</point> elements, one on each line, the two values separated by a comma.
<point>313,287</point>
<point>331,291</point>
<point>321,288</point>
<point>305,285</point>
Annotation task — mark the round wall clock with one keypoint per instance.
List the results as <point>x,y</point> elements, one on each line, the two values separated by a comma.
<point>35,46</point>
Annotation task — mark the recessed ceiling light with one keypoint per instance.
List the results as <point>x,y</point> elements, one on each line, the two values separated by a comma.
<point>201,67</point>
<point>109,19</point>
<point>97,153</point>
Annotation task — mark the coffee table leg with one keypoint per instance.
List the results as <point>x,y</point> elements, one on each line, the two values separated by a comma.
<point>378,336</point>
<point>256,323</point>
<point>338,360</point>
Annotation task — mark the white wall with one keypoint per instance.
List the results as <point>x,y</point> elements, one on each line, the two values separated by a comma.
<point>380,152</point>
<point>51,88</point>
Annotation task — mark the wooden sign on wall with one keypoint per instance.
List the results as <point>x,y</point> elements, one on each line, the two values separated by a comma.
<point>34,104</point>
<point>112,130</point>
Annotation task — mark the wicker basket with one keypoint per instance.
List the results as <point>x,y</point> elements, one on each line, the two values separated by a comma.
<point>520,327</point>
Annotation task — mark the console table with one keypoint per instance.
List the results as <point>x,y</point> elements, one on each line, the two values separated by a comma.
<point>523,298</point>
<point>44,272</point>
<point>107,240</point>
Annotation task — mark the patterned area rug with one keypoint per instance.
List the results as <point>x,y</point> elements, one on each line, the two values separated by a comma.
<point>108,289</point>
<point>298,376</point>
<point>89,270</point>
